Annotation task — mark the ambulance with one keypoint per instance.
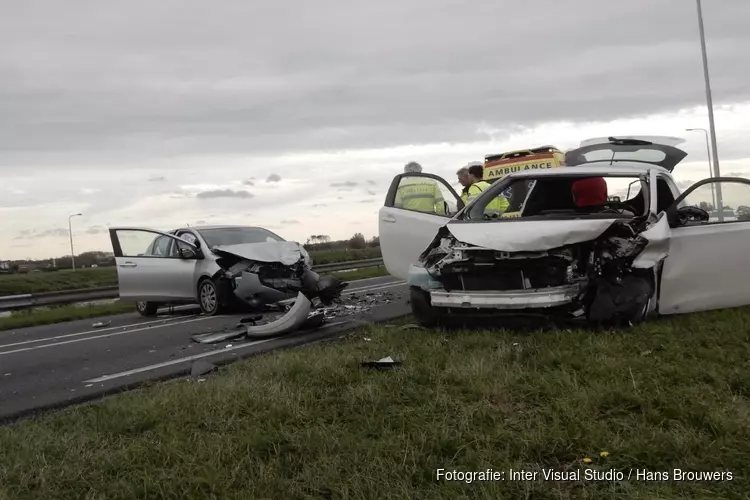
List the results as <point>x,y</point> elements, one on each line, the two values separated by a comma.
<point>497,166</point>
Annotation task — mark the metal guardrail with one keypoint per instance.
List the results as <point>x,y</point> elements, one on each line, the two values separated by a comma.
<point>63,297</point>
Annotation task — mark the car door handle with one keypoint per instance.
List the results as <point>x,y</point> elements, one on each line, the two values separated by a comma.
<point>388,219</point>
<point>128,264</point>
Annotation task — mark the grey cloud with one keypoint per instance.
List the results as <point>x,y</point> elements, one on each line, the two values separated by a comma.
<point>200,222</point>
<point>734,174</point>
<point>96,230</point>
<point>367,201</point>
<point>248,183</point>
<point>273,178</point>
<point>344,184</point>
<point>159,178</point>
<point>371,192</point>
<point>223,193</point>
<point>176,90</point>
<point>289,221</point>
<point>317,205</point>
<point>49,233</point>
<point>684,184</point>
<point>371,182</point>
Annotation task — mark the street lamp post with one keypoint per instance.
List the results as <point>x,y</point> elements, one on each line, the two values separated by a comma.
<point>70,232</point>
<point>708,154</point>
<point>710,105</point>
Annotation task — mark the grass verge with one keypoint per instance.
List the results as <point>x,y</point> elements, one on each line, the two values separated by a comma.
<point>312,423</point>
<point>38,317</point>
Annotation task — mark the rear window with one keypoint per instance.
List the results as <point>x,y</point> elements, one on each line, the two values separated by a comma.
<point>237,236</point>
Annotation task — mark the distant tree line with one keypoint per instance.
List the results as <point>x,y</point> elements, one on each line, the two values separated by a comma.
<point>357,242</point>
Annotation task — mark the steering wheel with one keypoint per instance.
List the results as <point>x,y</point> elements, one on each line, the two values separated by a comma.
<point>692,214</point>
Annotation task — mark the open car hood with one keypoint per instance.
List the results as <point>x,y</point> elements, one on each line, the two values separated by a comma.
<point>287,253</point>
<point>654,150</point>
<point>529,236</point>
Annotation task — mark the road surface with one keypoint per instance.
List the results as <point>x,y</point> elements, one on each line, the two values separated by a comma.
<point>53,366</point>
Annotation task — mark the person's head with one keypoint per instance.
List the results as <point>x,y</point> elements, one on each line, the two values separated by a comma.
<point>463,176</point>
<point>412,168</point>
<point>589,192</point>
<point>476,172</point>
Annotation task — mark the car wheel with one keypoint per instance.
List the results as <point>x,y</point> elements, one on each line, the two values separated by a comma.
<point>146,308</point>
<point>209,297</point>
<point>422,308</point>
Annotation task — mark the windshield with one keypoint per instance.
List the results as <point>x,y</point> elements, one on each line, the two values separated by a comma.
<point>563,196</point>
<point>237,236</point>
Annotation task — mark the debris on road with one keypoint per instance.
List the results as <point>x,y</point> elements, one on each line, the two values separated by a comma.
<point>230,333</point>
<point>382,364</point>
<point>100,324</point>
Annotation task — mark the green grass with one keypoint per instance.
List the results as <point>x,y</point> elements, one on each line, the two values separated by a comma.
<point>37,317</point>
<point>16,284</point>
<point>312,423</point>
<point>67,279</point>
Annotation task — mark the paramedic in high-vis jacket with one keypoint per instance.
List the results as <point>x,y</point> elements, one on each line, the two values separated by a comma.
<point>496,207</point>
<point>419,193</point>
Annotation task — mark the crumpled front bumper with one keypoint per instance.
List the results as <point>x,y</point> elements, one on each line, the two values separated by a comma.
<point>507,300</point>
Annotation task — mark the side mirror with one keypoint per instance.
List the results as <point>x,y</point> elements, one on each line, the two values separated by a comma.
<point>187,253</point>
<point>681,216</point>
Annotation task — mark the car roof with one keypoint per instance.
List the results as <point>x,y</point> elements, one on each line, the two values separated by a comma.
<point>199,228</point>
<point>596,168</point>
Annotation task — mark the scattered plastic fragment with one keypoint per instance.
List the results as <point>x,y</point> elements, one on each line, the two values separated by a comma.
<point>220,336</point>
<point>367,339</point>
<point>100,324</point>
<point>382,364</point>
<point>201,380</point>
<point>89,385</point>
<point>228,346</point>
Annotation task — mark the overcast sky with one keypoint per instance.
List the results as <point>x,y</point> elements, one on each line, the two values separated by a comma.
<point>296,115</point>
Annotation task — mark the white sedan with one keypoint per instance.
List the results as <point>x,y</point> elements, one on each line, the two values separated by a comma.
<point>658,252</point>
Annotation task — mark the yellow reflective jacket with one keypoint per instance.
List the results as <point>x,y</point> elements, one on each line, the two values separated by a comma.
<point>420,194</point>
<point>496,206</point>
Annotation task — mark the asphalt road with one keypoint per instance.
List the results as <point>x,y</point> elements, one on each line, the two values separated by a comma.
<point>53,366</point>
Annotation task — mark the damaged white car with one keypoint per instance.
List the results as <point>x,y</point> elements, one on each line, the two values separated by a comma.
<point>217,267</point>
<point>606,240</point>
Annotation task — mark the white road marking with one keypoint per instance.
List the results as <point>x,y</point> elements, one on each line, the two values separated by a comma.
<point>156,366</point>
<point>348,291</point>
<point>376,288</point>
<point>114,334</point>
<point>98,330</point>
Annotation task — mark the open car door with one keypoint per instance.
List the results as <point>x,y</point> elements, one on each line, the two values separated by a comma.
<point>708,262</point>
<point>633,149</point>
<point>154,266</point>
<point>416,206</point>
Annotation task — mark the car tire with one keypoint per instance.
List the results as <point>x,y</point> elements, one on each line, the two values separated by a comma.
<point>147,309</point>
<point>209,297</point>
<point>422,308</point>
